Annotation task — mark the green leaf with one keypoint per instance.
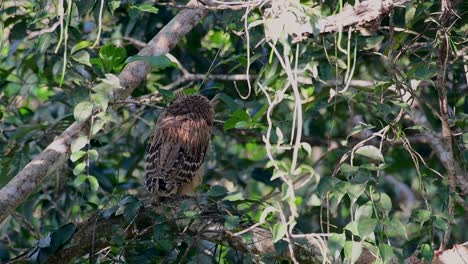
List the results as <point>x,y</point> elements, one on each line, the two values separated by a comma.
<point>366,227</point>
<point>49,245</point>
<point>45,242</point>
<point>191,91</point>
<point>336,244</point>
<point>131,210</point>
<point>84,6</point>
<point>279,231</point>
<point>409,15</point>
<point>421,216</point>
<point>165,245</point>
<point>82,57</point>
<point>394,228</point>
<point>238,116</point>
<point>108,85</point>
<point>128,200</point>
<point>371,152</point>
<point>80,45</point>
<point>97,125</point>
<point>353,228</point>
<point>372,42</point>
<point>440,223</point>
<point>93,154</point>
<point>386,252</point>
<point>186,205</point>
<point>364,211</point>
<point>279,135</point>
<point>326,184</point>
<point>285,192</point>
<point>106,213</point>
<point>161,231</point>
<point>384,200</point>
<point>112,57</point>
<point>79,168</point>
<point>427,252</point>
<point>306,146</point>
<point>191,214</point>
<point>242,125</point>
<point>83,111</point>
<point>156,62</point>
<point>354,191</point>
<point>79,180</point>
<point>217,192</point>
<point>93,182</point>
<point>348,169</point>
<point>101,100</point>
<point>425,71</point>
<point>146,8</point>
<point>77,155</point>
<point>352,250</point>
<point>227,100</point>
<point>465,138</point>
<point>260,113</point>
<point>113,5</point>
<point>231,222</point>
<point>79,143</point>
<point>372,167</point>
<point>60,236</point>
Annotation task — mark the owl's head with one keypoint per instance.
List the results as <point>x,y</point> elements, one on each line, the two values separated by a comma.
<point>193,106</point>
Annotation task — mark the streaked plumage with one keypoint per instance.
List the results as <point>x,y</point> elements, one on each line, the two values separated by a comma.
<point>178,145</point>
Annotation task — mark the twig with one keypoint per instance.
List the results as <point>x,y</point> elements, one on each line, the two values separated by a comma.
<point>189,77</point>
<point>288,235</point>
<point>311,235</point>
<point>34,34</point>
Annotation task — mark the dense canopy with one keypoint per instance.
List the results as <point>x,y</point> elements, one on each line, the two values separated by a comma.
<point>340,135</point>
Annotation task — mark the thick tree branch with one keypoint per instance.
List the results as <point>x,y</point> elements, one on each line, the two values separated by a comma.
<point>359,15</point>
<point>96,233</point>
<point>29,178</point>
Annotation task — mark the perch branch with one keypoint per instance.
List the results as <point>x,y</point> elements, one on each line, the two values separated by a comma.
<point>96,234</point>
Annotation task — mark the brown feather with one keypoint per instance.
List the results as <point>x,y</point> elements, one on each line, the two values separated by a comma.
<point>178,145</point>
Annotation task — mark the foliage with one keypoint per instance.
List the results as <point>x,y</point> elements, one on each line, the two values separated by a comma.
<point>329,141</point>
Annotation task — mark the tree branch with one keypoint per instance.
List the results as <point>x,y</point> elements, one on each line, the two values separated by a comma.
<point>96,233</point>
<point>449,157</point>
<point>188,77</point>
<point>29,178</point>
<point>359,15</point>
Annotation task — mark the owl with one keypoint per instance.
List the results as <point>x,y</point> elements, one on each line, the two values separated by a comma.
<point>178,146</point>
